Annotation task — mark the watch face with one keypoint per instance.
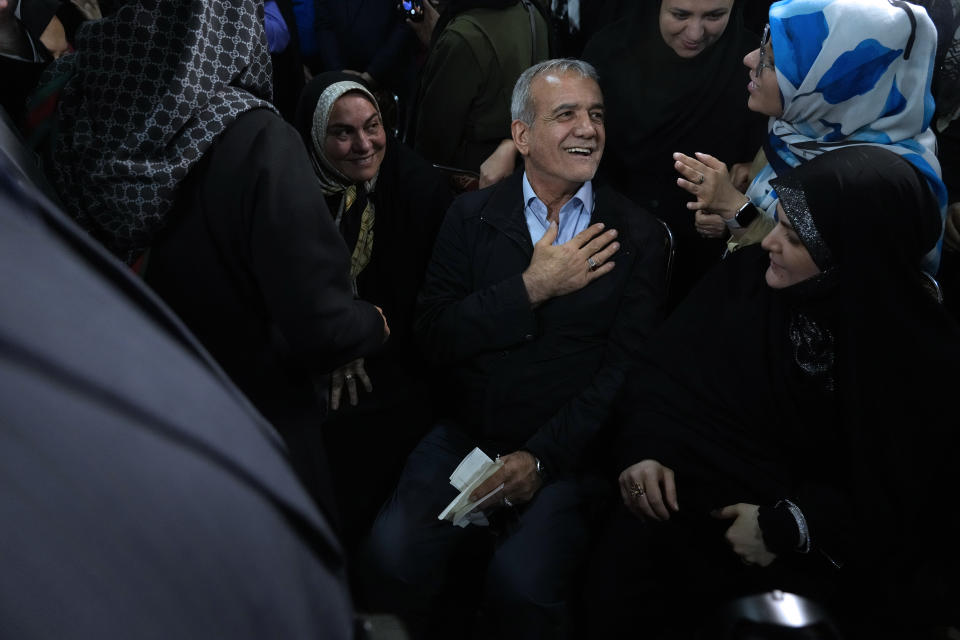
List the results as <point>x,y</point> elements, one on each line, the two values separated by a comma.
<point>746,215</point>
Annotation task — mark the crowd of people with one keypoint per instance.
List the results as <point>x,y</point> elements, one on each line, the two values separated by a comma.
<point>685,271</point>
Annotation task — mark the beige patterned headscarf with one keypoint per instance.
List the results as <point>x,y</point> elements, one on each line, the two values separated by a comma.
<point>333,181</point>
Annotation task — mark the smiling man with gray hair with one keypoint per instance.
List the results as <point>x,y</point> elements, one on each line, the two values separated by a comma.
<point>540,292</point>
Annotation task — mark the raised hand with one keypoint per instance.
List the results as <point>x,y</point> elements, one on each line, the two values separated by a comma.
<point>708,179</point>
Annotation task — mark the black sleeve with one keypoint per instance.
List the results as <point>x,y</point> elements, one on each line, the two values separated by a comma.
<point>293,250</point>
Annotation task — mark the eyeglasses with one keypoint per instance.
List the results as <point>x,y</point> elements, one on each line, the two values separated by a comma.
<point>764,41</point>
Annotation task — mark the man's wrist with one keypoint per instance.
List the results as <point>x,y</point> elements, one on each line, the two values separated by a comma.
<point>535,287</point>
<point>538,467</point>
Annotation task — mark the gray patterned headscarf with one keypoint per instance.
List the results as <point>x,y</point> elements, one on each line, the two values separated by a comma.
<point>153,86</point>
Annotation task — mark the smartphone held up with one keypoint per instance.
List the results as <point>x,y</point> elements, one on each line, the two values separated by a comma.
<point>411,9</point>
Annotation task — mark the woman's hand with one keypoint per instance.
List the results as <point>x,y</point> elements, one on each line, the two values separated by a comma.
<point>499,165</point>
<point>708,179</point>
<point>744,534</point>
<point>386,325</point>
<point>709,225</point>
<point>740,176</point>
<point>346,377</point>
<point>649,491</point>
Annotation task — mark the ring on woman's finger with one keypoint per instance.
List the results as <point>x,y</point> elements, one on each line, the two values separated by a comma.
<point>636,491</point>
<point>700,181</point>
<point>349,376</point>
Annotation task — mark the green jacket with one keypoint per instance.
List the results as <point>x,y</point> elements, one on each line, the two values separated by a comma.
<point>463,105</point>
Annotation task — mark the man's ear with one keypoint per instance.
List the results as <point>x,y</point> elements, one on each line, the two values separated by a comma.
<point>520,130</point>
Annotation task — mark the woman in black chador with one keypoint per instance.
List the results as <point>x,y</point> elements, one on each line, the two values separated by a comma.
<point>673,80</point>
<point>812,447</point>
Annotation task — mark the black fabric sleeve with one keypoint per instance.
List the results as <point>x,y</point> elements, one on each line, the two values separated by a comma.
<point>296,254</point>
<point>779,528</point>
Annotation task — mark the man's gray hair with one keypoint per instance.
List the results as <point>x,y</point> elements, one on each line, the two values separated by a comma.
<point>521,105</point>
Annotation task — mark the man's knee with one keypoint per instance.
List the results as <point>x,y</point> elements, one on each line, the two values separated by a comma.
<point>516,581</point>
<point>383,552</point>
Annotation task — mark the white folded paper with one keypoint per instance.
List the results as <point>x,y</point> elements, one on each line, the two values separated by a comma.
<point>472,471</point>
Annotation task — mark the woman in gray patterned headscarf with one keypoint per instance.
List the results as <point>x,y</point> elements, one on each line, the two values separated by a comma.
<point>167,142</point>
<point>153,86</point>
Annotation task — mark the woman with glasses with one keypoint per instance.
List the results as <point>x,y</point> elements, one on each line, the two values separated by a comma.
<point>829,73</point>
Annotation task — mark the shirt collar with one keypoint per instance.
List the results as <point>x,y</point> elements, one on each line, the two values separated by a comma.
<point>584,194</point>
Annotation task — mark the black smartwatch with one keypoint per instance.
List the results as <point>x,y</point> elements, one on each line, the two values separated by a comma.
<point>744,216</point>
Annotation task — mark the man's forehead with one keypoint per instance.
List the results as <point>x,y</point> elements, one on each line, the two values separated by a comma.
<point>556,83</point>
<point>556,78</point>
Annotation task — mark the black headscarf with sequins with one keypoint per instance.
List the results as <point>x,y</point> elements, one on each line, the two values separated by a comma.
<point>153,85</point>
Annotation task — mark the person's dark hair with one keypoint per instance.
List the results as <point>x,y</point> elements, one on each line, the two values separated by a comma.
<point>521,104</point>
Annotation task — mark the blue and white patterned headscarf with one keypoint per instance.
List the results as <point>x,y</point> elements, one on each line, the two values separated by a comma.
<point>851,72</point>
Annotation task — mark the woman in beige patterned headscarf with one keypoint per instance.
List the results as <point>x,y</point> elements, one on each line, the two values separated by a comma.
<point>347,143</point>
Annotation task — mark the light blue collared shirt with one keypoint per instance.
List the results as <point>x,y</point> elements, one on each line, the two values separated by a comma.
<point>574,215</point>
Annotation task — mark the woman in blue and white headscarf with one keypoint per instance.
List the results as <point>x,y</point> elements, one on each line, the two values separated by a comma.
<point>844,72</point>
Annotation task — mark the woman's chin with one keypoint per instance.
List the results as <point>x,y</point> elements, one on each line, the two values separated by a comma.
<point>365,174</point>
<point>774,278</point>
